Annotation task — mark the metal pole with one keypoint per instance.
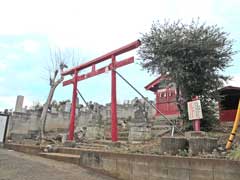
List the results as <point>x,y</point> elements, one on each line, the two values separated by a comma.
<point>172,132</point>
<point>114,104</point>
<point>148,101</point>
<point>73,108</point>
<point>235,127</point>
<point>83,99</point>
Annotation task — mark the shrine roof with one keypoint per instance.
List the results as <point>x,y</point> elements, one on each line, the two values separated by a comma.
<point>229,90</point>
<point>151,86</point>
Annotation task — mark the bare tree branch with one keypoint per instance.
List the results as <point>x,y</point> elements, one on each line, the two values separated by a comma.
<point>58,59</point>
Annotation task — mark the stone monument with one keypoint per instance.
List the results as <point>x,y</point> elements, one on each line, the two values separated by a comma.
<point>19,103</point>
<point>95,129</point>
<point>139,127</point>
<point>67,107</point>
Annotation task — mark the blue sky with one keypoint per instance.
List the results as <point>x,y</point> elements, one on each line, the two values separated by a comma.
<point>29,28</point>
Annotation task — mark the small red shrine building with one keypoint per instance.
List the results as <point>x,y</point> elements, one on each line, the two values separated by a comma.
<point>165,92</point>
<point>228,104</point>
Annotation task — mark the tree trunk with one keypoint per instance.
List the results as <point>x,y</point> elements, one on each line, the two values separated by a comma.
<point>178,99</point>
<point>43,117</point>
<point>45,110</point>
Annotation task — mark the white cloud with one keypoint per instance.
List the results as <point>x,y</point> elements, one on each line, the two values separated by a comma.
<point>13,56</point>
<point>3,66</point>
<point>235,81</point>
<point>30,46</point>
<point>28,101</point>
<point>27,45</point>
<point>2,79</point>
<point>7,102</point>
<point>4,45</point>
<point>30,76</point>
<point>95,25</point>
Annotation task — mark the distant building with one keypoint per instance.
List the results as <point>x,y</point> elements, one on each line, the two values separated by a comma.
<point>165,92</point>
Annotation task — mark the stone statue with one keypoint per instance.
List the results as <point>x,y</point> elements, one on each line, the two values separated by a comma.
<point>140,114</point>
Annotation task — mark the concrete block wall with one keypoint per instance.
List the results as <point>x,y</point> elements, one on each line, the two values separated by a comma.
<point>172,145</point>
<point>147,167</point>
<point>126,111</point>
<point>23,122</point>
<point>57,121</point>
<point>202,144</point>
<point>84,118</point>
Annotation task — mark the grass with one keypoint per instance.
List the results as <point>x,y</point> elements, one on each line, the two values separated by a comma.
<point>234,154</point>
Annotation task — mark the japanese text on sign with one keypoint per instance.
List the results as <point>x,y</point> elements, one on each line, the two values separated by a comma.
<point>194,110</point>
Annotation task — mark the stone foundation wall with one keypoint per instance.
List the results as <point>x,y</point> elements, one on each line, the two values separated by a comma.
<point>201,145</point>
<point>171,145</point>
<point>139,133</point>
<point>147,167</point>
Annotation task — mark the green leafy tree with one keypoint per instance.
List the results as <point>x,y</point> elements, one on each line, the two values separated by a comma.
<point>193,56</point>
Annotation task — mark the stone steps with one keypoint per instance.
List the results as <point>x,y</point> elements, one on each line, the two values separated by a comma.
<point>68,150</point>
<point>81,146</point>
<point>93,145</point>
<point>69,158</point>
<point>122,134</point>
<point>119,138</point>
<point>123,130</point>
<point>159,130</point>
<point>160,122</point>
<point>89,148</point>
<point>159,127</point>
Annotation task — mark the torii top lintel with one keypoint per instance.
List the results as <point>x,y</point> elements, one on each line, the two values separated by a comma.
<point>109,55</point>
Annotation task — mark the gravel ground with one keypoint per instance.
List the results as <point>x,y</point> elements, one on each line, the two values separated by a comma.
<point>19,166</point>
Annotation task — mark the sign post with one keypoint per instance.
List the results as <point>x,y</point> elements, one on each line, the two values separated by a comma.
<point>3,127</point>
<point>195,112</point>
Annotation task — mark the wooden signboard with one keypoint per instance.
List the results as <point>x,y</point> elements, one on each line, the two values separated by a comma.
<point>3,127</point>
<point>194,110</point>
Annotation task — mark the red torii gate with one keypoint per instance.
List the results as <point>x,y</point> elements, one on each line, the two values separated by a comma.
<point>111,67</point>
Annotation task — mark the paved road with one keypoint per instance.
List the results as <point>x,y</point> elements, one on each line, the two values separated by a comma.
<point>19,166</point>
